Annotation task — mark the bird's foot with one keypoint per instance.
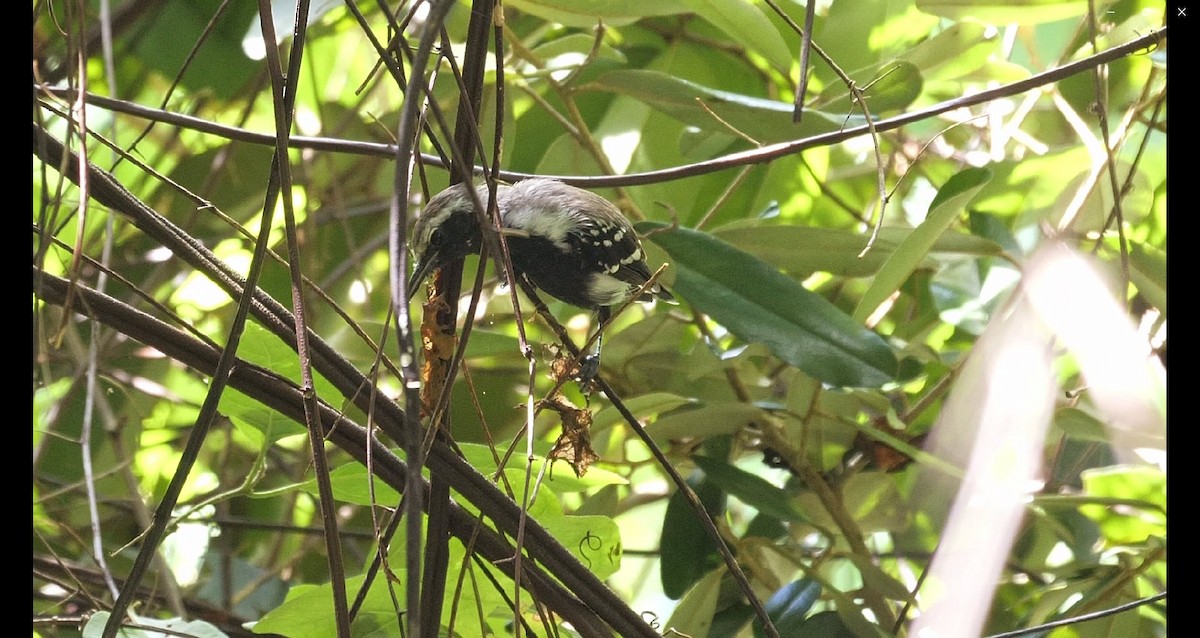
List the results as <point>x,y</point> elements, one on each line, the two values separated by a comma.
<point>589,366</point>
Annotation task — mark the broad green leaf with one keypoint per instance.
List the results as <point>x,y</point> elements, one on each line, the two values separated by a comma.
<point>957,50</point>
<point>588,13</point>
<point>349,481</point>
<point>694,614</point>
<point>761,305</point>
<point>762,119</point>
<point>864,33</point>
<point>350,485</point>
<point>704,421</point>
<point>789,605</point>
<point>642,406</point>
<point>946,205</point>
<point>571,49</point>
<point>219,67</point>
<point>1128,524</point>
<point>1009,12</point>
<point>1091,215</point>
<point>565,155</point>
<point>803,250</point>
<point>828,624</point>
<point>832,625</point>
<point>890,87</point>
<point>878,580</point>
<point>872,498</point>
<point>558,478</point>
<point>1079,424</point>
<point>1148,271</point>
<point>594,540</point>
<point>686,551</point>
<point>308,611</point>
<point>745,23</point>
<point>257,421</point>
<point>992,227</point>
<point>622,130</point>
<point>750,489</point>
<point>265,349</point>
<point>997,71</point>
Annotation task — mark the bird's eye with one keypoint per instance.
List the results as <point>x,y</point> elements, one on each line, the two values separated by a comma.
<point>437,237</point>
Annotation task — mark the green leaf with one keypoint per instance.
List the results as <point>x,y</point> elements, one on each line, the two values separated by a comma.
<point>714,110</point>
<point>1080,425</point>
<point>761,305</point>
<point>1148,271</point>
<point>955,51</point>
<point>890,87</point>
<point>789,605</point>
<point>753,490</point>
<point>686,551</point>
<point>350,484</point>
<point>308,611</point>
<point>258,346</point>
<point>643,406</point>
<point>571,49</point>
<point>872,498</point>
<point>557,478</point>
<point>945,207</point>
<point>219,68</point>
<point>875,579</point>
<point>828,624</point>
<point>594,540</point>
<point>803,250</point>
<point>745,23</point>
<point>993,228</point>
<point>705,421</point>
<point>1128,524</point>
<point>587,13</point>
<point>694,614</point>
<point>1009,12</point>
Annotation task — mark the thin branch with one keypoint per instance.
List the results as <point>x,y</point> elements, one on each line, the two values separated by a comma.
<point>603,608</point>
<point>284,102</point>
<point>766,154</point>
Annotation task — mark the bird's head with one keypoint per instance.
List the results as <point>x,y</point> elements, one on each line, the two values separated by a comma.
<point>446,230</point>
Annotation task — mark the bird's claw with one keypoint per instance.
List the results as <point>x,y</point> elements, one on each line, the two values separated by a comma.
<point>589,366</point>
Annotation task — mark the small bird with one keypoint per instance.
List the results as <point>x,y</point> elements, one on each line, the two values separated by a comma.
<point>571,243</point>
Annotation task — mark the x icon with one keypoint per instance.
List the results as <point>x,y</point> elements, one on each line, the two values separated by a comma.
<point>1182,12</point>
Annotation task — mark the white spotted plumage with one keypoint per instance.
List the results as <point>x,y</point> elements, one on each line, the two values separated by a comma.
<point>569,242</point>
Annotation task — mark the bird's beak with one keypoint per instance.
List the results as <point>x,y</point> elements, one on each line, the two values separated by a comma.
<point>426,264</point>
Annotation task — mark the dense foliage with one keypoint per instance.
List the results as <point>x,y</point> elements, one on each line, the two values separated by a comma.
<point>914,378</point>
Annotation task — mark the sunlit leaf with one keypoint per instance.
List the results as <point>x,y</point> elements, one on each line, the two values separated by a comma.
<point>803,250</point>
<point>762,305</point>
<point>745,22</point>
<point>1019,11</point>
<point>1126,522</point>
<point>716,110</point>
<point>946,206</point>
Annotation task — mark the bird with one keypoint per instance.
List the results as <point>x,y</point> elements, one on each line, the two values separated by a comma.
<point>570,243</point>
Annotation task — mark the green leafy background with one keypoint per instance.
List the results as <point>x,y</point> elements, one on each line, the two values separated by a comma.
<point>802,344</point>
